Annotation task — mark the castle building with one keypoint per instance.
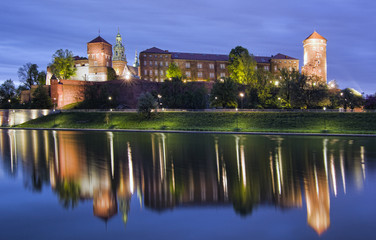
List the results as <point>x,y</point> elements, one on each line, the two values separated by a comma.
<point>154,63</point>
<point>315,56</point>
<point>99,59</point>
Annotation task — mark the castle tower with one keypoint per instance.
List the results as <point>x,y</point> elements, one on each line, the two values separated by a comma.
<point>99,53</point>
<point>119,60</point>
<point>315,56</point>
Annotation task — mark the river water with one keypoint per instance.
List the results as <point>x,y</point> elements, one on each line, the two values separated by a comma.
<point>102,185</point>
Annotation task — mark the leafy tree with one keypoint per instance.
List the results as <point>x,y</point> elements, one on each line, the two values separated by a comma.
<point>7,94</point>
<point>370,102</point>
<point>41,99</point>
<point>146,103</point>
<point>316,94</point>
<point>351,98</point>
<point>28,74</point>
<point>242,66</point>
<point>224,93</point>
<point>63,64</point>
<point>111,74</point>
<point>173,71</point>
<point>41,78</point>
<point>292,86</point>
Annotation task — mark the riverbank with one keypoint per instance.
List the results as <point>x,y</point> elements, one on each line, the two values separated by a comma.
<point>285,122</point>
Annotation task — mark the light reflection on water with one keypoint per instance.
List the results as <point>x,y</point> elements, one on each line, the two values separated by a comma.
<point>170,171</point>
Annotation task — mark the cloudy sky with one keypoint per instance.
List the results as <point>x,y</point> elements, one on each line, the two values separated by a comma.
<point>32,30</point>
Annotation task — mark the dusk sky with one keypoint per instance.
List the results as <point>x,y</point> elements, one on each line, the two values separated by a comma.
<point>31,31</point>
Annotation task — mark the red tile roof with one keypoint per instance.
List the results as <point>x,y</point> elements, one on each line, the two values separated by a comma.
<point>315,35</point>
<point>98,39</point>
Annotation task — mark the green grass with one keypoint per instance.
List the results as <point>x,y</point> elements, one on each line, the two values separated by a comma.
<point>201,121</point>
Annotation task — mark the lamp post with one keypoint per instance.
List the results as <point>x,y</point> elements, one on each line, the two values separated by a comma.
<point>241,97</point>
<point>110,100</point>
<point>160,106</point>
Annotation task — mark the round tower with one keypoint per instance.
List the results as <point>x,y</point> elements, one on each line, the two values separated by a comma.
<point>119,60</point>
<point>99,53</point>
<point>315,56</point>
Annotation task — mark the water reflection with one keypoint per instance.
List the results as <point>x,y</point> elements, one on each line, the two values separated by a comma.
<point>167,171</point>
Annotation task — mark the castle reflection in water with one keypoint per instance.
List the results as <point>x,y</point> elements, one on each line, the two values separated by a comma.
<point>168,170</point>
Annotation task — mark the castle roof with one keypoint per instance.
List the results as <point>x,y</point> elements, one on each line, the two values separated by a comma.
<point>282,56</point>
<point>199,56</point>
<point>315,35</point>
<point>98,39</point>
<point>154,50</point>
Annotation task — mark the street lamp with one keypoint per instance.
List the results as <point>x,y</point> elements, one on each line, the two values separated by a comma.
<point>241,97</point>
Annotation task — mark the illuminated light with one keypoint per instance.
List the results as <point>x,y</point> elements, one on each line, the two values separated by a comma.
<point>111,137</point>
<point>341,94</point>
<point>243,164</point>
<point>333,172</point>
<point>241,95</point>
<point>217,158</point>
<point>272,171</point>
<point>56,151</point>
<point>278,176</point>
<point>173,176</point>
<point>279,98</point>
<point>237,155</point>
<point>362,161</point>
<point>343,171</point>
<point>325,153</point>
<point>324,108</point>
<point>130,166</point>
<point>110,98</point>
<point>276,83</point>
<point>224,182</point>
<point>216,98</point>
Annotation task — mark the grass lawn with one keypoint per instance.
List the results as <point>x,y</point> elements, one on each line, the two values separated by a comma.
<point>204,121</point>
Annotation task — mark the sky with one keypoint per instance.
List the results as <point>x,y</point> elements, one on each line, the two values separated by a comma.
<point>32,30</point>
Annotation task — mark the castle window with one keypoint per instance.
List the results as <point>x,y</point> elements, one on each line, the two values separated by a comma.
<point>151,63</point>
<point>318,62</point>
<point>188,74</point>
<point>187,65</point>
<point>156,63</point>
<point>211,66</point>
<point>161,64</point>
<point>266,68</point>
<point>107,64</point>
<point>144,63</point>
<point>151,72</point>
<point>199,65</point>
<point>223,74</point>
<point>275,68</point>
<point>321,48</point>
<point>161,72</point>
<point>156,72</point>
<point>160,56</point>
<point>144,55</point>
<point>290,69</point>
<point>116,53</point>
<point>146,72</point>
<point>211,75</point>
<point>199,74</point>
<point>150,56</point>
<point>222,66</point>
<point>95,63</point>
<point>166,64</point>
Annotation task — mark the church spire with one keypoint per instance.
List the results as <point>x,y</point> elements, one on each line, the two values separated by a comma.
<point>136,63</point>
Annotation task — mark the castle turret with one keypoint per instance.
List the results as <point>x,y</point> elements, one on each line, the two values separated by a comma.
<point>315,56</point>
<point>136,63</point>
<point>99,53</point>
<point>119,60</point>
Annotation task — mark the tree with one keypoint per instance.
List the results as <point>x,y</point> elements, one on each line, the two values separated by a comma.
<point>370,102</point>
<point>41,78</point>
<point>292,86</point>
<point>41,100</point>
<point>7,94</point>
<point>173,71</point>
<point>28,74</point>
<point>242,66</point>
<point>224,93</point>
<point>146,103</point>
<point>351,98</point>
<point>63,64</point>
